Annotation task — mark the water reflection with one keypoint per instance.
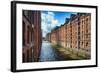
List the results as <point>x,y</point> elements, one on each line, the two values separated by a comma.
<point>48,53</point>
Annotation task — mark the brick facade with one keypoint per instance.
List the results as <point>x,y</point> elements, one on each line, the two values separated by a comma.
<point>75,33</point>
<point>31,35</point>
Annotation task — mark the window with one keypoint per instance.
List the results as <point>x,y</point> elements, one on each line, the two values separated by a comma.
<point>86,30</point>
<point>86,43</point>
<point>82,43</point>
<point>27,34</point>
<point>82,22</point>
<point>87,20</point>
<point>23,30</point>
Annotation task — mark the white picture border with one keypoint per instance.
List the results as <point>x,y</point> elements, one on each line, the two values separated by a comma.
<point>54,64</point>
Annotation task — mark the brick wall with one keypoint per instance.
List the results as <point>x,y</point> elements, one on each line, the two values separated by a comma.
<point>31,35</point>
<point>75,33</point>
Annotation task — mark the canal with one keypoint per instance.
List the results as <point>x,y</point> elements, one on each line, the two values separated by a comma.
<point>48,53</point>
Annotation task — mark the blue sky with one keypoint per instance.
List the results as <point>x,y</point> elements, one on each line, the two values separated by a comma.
<point>61,16</point>
<point>51,19</point>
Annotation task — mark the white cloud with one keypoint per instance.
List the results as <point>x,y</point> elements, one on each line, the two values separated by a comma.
<point>48,22</point>
<point>54,22</point>
<point>50,13</point>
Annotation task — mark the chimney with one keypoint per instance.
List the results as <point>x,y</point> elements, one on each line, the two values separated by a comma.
<point>66,20</point>
<point>72,15</point>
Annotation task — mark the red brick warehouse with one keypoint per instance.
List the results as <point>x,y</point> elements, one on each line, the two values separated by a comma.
<point>31,35</point>
<point>74,33</point>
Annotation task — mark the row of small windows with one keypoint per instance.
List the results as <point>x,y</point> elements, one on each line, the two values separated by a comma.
<point>29,34</point>
<point>82,43</point>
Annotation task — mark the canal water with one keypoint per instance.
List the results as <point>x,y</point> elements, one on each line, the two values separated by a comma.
<point>48,53</point>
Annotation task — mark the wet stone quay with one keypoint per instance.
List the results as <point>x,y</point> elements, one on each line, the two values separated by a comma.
<point>50,53</point>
